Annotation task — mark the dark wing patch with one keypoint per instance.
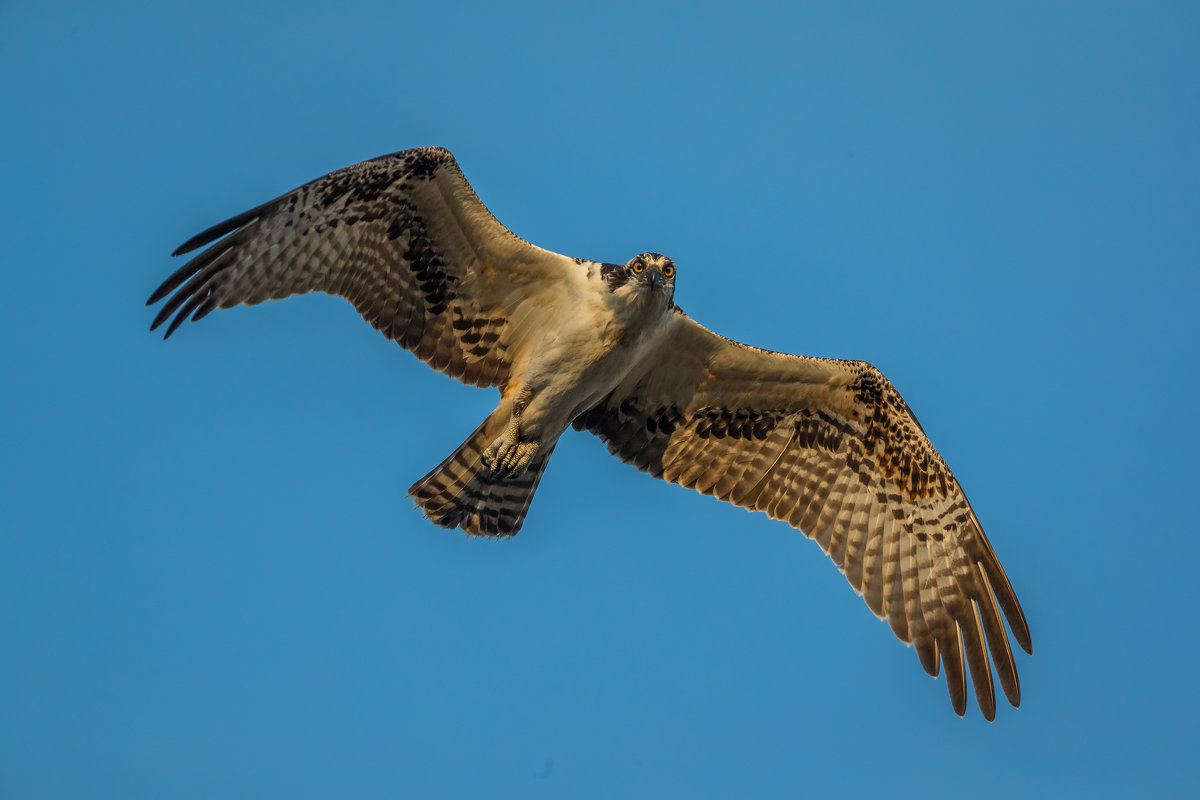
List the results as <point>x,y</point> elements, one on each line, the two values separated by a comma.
<point>832,449</point>
<point>405,239</point>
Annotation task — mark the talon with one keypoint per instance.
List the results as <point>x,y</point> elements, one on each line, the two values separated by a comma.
<point>506,459</point>
<point>508,455</point>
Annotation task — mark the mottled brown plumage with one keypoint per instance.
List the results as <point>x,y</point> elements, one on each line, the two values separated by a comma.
<point>404,238</point>
<point>830,448</point>
<point>827,446</point>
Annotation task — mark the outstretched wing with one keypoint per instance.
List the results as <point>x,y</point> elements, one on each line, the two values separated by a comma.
<point>405,239</point>
<point>831,448</point>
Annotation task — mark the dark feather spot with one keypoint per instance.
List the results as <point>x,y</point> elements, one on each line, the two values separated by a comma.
<point>615,275</point>
<point>421,164</point>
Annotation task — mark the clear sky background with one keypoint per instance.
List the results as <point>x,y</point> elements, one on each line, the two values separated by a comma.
<point>212,584</point>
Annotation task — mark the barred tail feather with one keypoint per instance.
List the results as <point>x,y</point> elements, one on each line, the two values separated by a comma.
<point>461,492</point>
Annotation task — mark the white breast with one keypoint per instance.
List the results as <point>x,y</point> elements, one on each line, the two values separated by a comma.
<point>590,349</point>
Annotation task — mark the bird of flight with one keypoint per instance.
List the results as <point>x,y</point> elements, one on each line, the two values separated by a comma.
<point>827,446</point>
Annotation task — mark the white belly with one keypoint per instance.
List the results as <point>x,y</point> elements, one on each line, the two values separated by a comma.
<point>578,365</point>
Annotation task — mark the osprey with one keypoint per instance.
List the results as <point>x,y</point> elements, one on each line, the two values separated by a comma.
<point>827,446</point>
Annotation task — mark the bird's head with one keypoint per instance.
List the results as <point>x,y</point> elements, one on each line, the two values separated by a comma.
<point>651,271</point>
<point>645,278</point>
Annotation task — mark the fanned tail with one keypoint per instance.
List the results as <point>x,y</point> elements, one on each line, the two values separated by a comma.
<point>461,492</point>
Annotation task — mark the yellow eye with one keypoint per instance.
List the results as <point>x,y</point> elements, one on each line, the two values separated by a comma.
<point>668,270</point>
<point>638,266</point>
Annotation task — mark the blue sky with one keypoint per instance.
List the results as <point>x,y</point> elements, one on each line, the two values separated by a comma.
<point>214,586</point>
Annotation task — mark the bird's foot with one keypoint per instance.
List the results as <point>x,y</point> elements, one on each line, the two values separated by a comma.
<point>508,455</point>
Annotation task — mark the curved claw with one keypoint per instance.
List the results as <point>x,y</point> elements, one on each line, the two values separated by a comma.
<point>506,458</point>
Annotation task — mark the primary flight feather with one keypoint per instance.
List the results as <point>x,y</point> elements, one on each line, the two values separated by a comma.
<point>827,446</point>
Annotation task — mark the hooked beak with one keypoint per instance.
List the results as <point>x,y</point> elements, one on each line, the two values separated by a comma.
<point>654,277</point>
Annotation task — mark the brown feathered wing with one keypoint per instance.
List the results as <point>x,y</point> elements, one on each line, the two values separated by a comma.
<point>832,449</point>
<point>406,240</point>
